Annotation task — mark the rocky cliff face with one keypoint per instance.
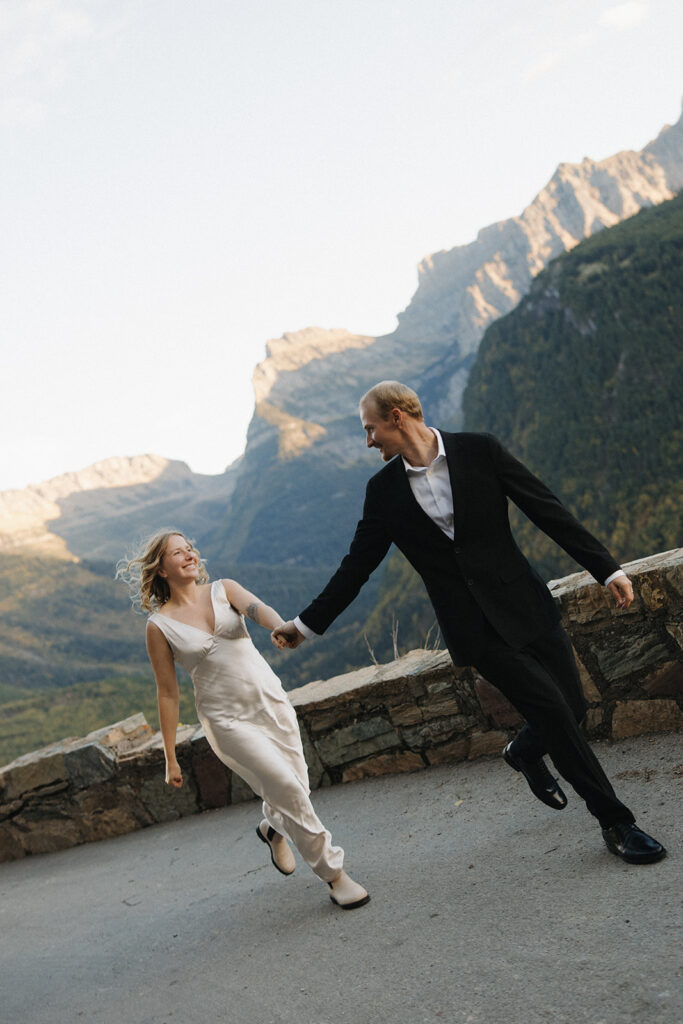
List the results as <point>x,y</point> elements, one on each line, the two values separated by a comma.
<point>308,386</point>
<point>463,290</point>
<point>314,377</point>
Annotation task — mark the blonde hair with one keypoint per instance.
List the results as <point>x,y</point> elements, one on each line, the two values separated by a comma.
<point>148,590</point>
<point>390,394</point>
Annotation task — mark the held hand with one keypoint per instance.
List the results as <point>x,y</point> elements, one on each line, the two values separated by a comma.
<point>174,776</point>
<point>622,591</point>
<point>287,635</point>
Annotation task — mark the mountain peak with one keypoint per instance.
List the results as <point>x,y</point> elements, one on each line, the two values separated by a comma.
<point>25,514</point>
<point>295,349</point>
<point>117,471</point>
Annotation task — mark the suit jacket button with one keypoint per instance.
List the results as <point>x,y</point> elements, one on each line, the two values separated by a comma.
<point>470,583</point>
<point>458,550</point>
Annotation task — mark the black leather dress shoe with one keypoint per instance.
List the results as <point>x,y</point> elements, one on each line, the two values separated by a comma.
<point>541,782</point>
<point>632,844</point>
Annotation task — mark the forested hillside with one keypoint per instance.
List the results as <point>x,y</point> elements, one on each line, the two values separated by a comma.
<point>583,381</point>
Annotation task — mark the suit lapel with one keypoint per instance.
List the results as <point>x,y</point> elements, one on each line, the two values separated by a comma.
<point>459,483</point>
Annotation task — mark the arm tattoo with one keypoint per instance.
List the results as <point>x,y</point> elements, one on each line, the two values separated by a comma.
<point>251,611</point>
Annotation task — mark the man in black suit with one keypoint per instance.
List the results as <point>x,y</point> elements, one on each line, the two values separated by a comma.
<point>443,500</point>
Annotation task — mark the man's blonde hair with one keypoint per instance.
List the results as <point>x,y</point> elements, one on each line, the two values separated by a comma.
<point>390,394</point>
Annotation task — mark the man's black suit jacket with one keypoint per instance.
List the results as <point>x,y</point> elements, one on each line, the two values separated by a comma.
<point>481,573</point>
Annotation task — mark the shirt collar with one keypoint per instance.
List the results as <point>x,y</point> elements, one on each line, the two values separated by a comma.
<point>441,454</point>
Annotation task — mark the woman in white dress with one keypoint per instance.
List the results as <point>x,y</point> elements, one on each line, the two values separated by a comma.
<point>245,713</point>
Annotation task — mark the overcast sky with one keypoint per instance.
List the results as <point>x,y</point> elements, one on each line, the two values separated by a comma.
<point>184,179</point>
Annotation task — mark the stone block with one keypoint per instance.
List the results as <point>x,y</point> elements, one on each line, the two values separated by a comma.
<point>47,835</point>
<point>416,687</point>
<point>116,821</point>
<point>44,791</point>
<point>122,736</point>
<point>438,707</point>
<point>316,770</point>
<point>440,686</point>
<point>419,664</point>
<point>164,803</point>
<point>7,810</point>
<point>89,764</point>
<point>497,708</point>
<point>662,562</point>
<point>405,714</point>
<point>447,753</point>
<point>665,681</point>
<point>145,763</point>
<point>383,764</point>
<point>487,744</point>
<point>329,718</point>
<point>673,572</point>
<point>590,690</point>
<point>240,791</point>
<point>582,601</point>
<point>594,721</point>
<point>10,844</point>
<point>382,689</point>
<point>30,772</point>
<point>333,691</point>
<point>376,700</point>
<point>106,811</point>
<point>212,779</point>
<point>361,739</point>
<point>675,630</point>
<point>634,717</point>
<point>199,745</point>
<point>652,593</point>
<point>624,654</point>
<point>438,730</point>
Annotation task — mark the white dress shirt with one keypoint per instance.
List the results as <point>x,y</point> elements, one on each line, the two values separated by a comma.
<point>431,487</point>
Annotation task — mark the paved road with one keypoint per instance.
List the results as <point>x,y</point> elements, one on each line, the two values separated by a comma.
<point>487,908</point>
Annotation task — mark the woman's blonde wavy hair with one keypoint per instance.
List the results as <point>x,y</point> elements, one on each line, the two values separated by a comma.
<point>148,590</point>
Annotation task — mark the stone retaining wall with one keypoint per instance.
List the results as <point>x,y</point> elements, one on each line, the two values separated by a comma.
<point>414,712</point>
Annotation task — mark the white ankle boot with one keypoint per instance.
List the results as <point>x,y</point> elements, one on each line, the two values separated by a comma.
<point>280,853</point>
<point>346,893</point>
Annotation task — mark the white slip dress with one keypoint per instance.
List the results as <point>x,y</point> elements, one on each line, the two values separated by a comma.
<point>251,726</point>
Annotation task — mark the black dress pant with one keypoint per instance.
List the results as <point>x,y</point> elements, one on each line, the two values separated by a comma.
<point>542,681</point>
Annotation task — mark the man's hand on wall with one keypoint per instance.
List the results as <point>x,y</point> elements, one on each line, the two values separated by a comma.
<point>622,591</point>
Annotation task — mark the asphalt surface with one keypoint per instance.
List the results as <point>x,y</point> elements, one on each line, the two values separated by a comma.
<point>487,908</point>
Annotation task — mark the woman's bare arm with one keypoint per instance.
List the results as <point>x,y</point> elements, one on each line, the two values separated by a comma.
<point>248,604</point>
<point>167,698</point>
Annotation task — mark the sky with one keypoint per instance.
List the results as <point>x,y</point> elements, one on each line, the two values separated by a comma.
<point>183,180</point>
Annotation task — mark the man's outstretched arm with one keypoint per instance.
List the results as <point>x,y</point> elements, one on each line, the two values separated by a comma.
<point>368,547</point>
<point>546,510</point>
